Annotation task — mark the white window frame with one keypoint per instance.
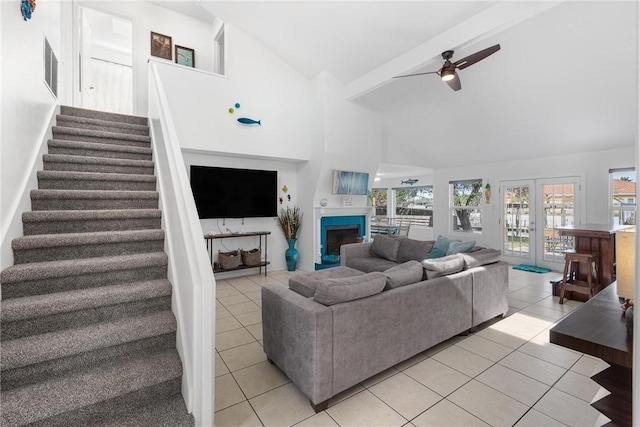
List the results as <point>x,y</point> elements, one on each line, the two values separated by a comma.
<point>613,173</point>
<point>414,223</point>
<point>453,208</point>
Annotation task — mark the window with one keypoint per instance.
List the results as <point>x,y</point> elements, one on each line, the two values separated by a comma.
<point>623,196</point>
<point>466,207</point>
<point>378,199</point>
<point>414,205</point>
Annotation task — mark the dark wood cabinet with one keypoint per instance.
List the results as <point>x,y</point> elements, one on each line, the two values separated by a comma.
<point>598,328</point>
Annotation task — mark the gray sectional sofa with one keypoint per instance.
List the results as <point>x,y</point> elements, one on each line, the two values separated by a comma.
<point>334,328</point>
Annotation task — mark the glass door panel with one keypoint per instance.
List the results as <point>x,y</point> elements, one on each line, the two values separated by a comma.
<point>517,223</point>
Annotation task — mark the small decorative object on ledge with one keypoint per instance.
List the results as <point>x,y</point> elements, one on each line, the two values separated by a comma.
<point>324,202</point>
<point>290,220</point>
<point>27,7</point>
<point>185,56</point>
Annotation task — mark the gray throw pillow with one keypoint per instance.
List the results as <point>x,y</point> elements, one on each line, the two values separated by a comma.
<point>443,266</point>
<point>335,291</point>
<point>415,250</point>
<point>403,274</point>
<point>460,247</point>
<point>481,257</point>
<point>385,247</point>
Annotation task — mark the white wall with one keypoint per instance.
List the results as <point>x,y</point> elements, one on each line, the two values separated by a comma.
<point>184,31</point>
<point>27,106</point>
<point>346,136</point>
<point>594,166</point>
<point>287,174</point>
<point>265,87</point>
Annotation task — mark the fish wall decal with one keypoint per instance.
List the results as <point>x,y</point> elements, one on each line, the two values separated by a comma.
<point>409,181</point>
<point>247,121</point>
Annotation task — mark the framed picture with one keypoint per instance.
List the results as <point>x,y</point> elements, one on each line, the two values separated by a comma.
<point>185,56</point>
<point>161,45</point>
<point>350,182</point>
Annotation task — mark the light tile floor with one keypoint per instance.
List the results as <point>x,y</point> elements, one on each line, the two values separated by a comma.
<point>507,373</point>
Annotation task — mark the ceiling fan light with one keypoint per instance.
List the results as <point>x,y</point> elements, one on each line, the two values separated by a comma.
<point>448,73</point>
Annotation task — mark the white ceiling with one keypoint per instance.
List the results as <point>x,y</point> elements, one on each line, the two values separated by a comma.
<point>564,81</point>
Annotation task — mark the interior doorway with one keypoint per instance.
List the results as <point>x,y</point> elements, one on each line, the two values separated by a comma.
<point>532,211</point>
<point>105,77</point>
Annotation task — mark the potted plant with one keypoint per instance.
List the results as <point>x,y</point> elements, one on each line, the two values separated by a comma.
<point>290,220</point>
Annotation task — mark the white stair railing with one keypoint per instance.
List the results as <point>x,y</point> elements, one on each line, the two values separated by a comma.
<point>193,301</point>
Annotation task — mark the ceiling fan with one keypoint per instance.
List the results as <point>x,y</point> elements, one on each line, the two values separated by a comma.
<point>448,71</point>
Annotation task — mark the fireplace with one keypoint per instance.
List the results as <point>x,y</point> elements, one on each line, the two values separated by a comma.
<point>338,235</point>
<point>336,231</point>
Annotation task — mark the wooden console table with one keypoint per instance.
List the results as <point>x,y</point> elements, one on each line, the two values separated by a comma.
<point>598,328</point>
<point>264,262</point>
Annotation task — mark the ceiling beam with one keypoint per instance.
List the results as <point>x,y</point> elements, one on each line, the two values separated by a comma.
<point>491,21</point>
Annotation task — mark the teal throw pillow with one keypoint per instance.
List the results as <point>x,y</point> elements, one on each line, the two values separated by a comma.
<point>436,253</point>
<point>443,243</point>
<point>460,247</point>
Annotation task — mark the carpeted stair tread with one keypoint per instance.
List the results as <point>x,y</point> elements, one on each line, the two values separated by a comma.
<point>95,149</point>
<point>51,247</point>
<point>64,343</point>
<point>97,124</point>
<point>80,390</point>
<point>92,200</point>
<point>167,412</point>
<point>87,221</point>
<point>67,268</point>
<point>96,164</point>
<point>100,136</point>
<point>95,176</point>
<point>66,180</point>
<point>15,309</point>
<point>102,115</point>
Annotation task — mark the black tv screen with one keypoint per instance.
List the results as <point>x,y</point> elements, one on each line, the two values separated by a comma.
<point>234,193</point>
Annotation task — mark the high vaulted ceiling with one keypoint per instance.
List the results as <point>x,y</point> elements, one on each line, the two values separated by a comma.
<point>564,81</point>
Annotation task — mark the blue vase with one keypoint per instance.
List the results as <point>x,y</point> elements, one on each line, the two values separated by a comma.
<point>291,255</point>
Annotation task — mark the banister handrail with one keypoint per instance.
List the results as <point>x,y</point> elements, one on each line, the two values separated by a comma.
<point>193,300</point>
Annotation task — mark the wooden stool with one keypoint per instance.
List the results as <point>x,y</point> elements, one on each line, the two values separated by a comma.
<point>572,259</point>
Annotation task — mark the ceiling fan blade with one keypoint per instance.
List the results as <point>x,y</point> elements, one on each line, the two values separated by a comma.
<point>416,74</point>
<point>454,83</point>
<point>476,57</point>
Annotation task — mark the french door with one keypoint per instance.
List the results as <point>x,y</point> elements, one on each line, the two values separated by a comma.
<point>532,211</point>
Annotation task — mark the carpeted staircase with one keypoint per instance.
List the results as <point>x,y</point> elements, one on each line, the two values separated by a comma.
<point>87,333</point>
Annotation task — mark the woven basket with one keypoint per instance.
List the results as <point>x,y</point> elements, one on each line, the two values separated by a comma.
<point>252,257</point>
<point>229,260</point>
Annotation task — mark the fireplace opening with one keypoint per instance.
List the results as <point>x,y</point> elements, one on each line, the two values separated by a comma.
<point>338,235</point>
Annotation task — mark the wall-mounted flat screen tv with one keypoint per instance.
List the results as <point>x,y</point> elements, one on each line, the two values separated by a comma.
<point>350,182</point>
<point>234,193</point>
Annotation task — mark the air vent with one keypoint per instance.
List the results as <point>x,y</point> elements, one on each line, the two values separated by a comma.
<point>50,68</point>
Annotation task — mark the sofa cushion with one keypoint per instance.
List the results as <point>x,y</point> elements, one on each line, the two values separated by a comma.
<point>371,264</point>
<point>306,283</point>
<point>411,249</point>
<point>481,257</point>
<point>403,274</point>
<point>443,266</point>
<point>459,247</point>
<point>335,291</point>
<point>385,247</point>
